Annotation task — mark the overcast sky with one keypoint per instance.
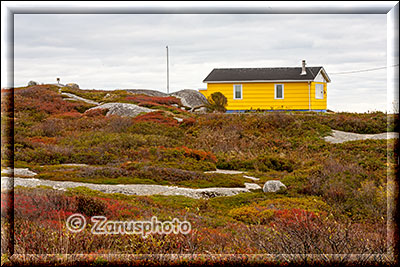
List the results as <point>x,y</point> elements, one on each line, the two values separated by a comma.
<point>129,51</point>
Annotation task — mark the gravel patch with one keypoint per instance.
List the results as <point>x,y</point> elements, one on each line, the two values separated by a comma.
<point>341,137</point>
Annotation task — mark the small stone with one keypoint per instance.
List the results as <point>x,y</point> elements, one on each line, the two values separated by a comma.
<point>273,186</point>
<point>201,110</point>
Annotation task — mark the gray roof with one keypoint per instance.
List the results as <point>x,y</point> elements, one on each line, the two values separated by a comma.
<point>263,74</point>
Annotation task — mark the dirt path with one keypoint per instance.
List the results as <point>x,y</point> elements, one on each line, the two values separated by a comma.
<point>340,136</point>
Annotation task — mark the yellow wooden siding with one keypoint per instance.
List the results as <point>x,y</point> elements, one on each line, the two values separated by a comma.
<point>262,96</point>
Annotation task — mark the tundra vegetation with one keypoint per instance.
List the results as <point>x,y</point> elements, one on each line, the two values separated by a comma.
<point>335,202</point>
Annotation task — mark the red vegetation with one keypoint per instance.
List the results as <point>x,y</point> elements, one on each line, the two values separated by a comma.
<point>293,217</point>
<point>192,153</point>
<point>156,102</point>
<point>68,115</point>
<point>188,121</point>
<point>168,100</point>
<point>156,117</point>
<point>42,98</point>
<point>96,112</point>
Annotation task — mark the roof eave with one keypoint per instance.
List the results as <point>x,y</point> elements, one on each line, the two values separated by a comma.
<point>322,70</point>
<point>256,81</point>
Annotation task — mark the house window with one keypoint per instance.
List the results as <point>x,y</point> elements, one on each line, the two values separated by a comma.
<point>278,91</point>
<point>237,91</point>
<point>319,91</point>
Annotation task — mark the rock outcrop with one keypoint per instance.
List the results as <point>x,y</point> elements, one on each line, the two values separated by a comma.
<point>191,98</point>
<point>252,186</point>
<point>128,189</point>
<point>123,109</point>
<point>20,172</point>
<point>32,83</point>
<point>146,92</point>
<point>72,85</point>
<point>341,137</point>
<point>273,186</point>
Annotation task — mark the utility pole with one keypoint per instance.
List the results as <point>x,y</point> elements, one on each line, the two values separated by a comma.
<point>167,72</point>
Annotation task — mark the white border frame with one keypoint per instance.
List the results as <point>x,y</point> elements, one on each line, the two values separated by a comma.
<point>323,85</point>
<point>241,92</point>
<point>283,91</point>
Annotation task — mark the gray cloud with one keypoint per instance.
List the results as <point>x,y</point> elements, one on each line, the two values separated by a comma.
<point>128,51</point>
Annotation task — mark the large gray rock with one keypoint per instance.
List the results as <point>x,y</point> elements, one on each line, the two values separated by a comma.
<point>273,186</point>
<point>146,92</point>
<point>32,83</point>
<point>190,98</point>
<point>72,85</point>
<point>123,109</point>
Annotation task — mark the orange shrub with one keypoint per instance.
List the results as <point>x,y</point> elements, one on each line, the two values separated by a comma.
<point>43,140</point>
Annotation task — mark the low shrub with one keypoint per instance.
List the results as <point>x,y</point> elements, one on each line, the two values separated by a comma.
<point>188,122</point>
<point>161,174</point>
<point>102,172</point>
<point>217,102</point>
<point>263,163</point>
<point>90,206</point>
<point>253,214</point>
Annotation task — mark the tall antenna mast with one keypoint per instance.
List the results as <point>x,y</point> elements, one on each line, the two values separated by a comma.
<point>167,72</point>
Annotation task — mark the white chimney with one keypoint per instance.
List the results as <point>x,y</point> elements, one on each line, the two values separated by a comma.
<point>303,68</point>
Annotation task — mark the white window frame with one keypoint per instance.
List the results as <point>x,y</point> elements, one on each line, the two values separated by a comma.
<point>241,92</point>
<point>283,91</point>
<point>316,91</point>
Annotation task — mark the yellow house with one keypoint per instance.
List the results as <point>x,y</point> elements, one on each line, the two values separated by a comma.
<point>295,88</point>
